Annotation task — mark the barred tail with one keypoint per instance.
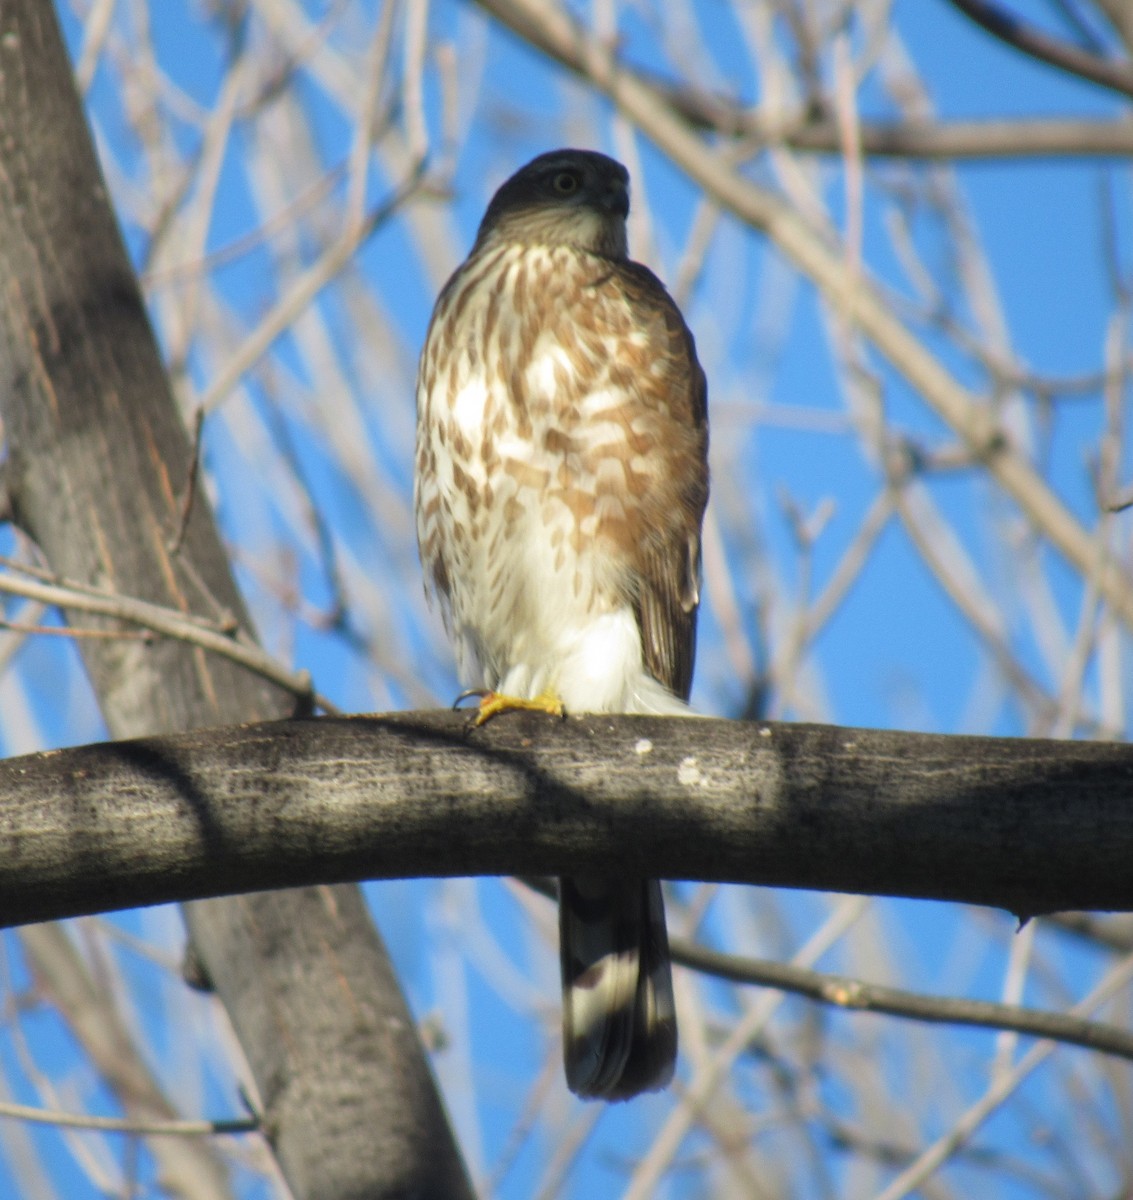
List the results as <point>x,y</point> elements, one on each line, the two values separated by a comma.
<point>619,1018</point>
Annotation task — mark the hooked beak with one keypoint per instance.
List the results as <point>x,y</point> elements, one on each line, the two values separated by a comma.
<point>615,199</point>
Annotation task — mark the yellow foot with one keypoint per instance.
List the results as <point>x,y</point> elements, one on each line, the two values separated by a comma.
<point>494,703</point>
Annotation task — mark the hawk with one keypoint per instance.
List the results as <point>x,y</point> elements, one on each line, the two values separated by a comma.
<point>561,479</point>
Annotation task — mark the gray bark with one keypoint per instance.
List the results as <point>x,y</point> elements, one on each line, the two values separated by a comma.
<point>97,462</point>
<point>1033,826</point>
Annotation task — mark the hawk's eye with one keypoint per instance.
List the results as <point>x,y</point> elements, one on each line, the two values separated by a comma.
<point>565,182</point>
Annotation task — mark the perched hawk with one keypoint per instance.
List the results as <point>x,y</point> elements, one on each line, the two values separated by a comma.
<point>561,481</point>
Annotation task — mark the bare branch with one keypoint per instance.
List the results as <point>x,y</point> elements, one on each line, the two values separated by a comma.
<point>195,631</point>
<point>1009,29</point>
<point>843,992</point>
<point>188,1128</point>
<point>990,138</point>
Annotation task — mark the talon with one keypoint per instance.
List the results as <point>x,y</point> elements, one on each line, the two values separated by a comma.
<point>483,693</point>
<point>494,703</point>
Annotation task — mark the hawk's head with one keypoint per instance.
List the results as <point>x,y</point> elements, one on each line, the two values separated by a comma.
<point>566,197</point>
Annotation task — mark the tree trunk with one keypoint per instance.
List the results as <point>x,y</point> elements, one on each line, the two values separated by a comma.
<point>97,466</point>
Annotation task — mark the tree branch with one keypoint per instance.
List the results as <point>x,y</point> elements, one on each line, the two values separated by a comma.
<point>171,1128</point>
<point>228,640</point>
<point>1120,16</point>
<point>1031,41</point>
<point>846,993</point>
<point>1024,824</point>
<point>940,140</point>
<point>974,140</point>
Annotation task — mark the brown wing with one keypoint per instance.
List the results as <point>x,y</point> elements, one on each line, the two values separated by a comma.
<point>666,561</point>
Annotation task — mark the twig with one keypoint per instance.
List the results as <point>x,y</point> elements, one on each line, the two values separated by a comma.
<point>843,992</point>
<point>188,1128</point>
<point>73,631</point>
<point>166,621</point>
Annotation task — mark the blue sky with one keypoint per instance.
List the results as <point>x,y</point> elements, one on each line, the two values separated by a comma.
<point>895,654</point>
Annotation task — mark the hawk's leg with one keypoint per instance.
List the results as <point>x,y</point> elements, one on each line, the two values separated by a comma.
<point>494,703</point>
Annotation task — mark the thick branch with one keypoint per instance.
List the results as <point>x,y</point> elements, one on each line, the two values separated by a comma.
<point>1032,826</point>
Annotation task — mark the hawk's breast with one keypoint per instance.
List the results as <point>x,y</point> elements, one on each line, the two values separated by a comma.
<point>540,465</point>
